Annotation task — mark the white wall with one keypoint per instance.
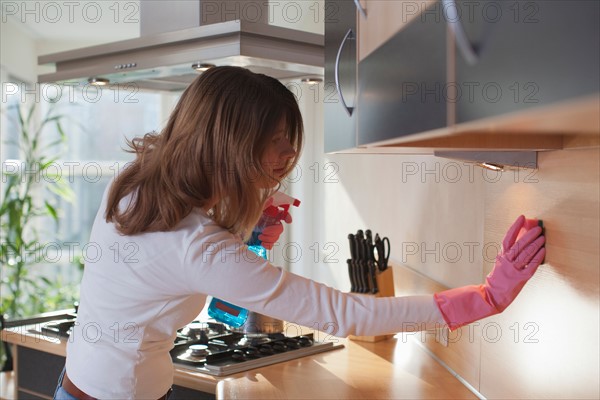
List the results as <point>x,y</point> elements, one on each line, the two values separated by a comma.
<point>304,15</point>
<point>18,55</point>
<point>40,27</point>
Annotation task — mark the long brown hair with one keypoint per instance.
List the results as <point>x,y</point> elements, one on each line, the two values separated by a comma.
<point>210,149</point>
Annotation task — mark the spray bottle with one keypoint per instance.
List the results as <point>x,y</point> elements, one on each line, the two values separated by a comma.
<point>231,314</point>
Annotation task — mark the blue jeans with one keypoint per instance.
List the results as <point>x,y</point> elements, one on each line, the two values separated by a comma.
<point>60,393</point>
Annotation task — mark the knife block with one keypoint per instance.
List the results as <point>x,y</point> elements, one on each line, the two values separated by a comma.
<point>385,284</point>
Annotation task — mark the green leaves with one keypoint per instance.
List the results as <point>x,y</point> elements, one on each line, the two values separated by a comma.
<point>63,190</point>
<point>25,184</point>
<point>51,210</point>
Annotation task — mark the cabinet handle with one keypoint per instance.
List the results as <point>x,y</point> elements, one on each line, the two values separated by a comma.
<point>360,8</point>
<point>451,14</point>
<point>349,36</point>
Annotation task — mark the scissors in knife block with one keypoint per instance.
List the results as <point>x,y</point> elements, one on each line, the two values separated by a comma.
<point>382,252</point>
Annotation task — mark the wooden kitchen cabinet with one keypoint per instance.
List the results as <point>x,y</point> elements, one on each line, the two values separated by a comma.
<point>395,72</point>
<point>391,94</point>
<point>382,19</point>
<point>340,60</point>
<point>528,54</point>
<point>533,83</point>
<point>401,83</point>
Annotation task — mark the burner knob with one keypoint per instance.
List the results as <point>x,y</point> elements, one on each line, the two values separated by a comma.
<point>238,355</point>
<point>266,349</point>
<point>279,347</point>
<point>305,341</point>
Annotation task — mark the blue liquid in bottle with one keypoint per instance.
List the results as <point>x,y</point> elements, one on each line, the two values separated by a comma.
<point>228,313</point>
<point>258,250</point>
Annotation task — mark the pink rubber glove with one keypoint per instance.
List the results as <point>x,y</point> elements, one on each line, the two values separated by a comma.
<point>270,234</point>
<point>514,266</point>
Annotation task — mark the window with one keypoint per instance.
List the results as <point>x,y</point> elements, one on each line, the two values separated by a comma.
<point>97,133</point>
<point>97,124</point>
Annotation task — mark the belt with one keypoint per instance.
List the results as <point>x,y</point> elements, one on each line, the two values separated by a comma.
<point>76,392</point>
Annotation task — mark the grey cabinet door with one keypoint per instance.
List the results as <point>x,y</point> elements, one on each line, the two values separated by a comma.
<point>530,53</point>
<point>340,128</point>
<point>401,84</point>
<point>38,371</point>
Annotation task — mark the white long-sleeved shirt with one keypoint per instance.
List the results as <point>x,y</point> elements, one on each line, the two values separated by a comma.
<point>138,290</point>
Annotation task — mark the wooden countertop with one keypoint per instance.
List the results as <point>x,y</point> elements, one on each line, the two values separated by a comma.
<point>397,368</point>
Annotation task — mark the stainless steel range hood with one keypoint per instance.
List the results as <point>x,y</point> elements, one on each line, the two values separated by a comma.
<point>163,60</point>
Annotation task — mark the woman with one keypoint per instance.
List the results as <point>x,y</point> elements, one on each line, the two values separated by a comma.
<point>172,228</point>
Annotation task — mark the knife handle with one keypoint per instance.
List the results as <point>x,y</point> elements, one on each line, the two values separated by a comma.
<point>369,236</point>
<point>373,275</point>
<point>357,277</point>
<point>351,275</point>
<point>358,239</point>
<point>370,246</point>
<point>364,273</point>
<point>352,240</point>
<point>368,250</point>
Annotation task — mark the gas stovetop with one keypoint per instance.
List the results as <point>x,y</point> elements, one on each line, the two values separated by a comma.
<point>211,348</point>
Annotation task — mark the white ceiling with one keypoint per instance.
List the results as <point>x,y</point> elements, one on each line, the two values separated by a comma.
<point>75,21</point>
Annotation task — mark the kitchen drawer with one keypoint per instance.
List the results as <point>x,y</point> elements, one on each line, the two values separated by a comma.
<point>183,393</point>
<point>38,371</point>
<point>28,396</point>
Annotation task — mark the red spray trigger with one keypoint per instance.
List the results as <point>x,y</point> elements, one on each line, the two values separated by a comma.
<point>278,210</point>
<point>281,205</point>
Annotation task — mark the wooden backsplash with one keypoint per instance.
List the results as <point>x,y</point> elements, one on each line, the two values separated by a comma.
<point>545,345</point>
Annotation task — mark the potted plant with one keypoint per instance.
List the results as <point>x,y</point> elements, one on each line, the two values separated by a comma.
<point>25,186</point>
